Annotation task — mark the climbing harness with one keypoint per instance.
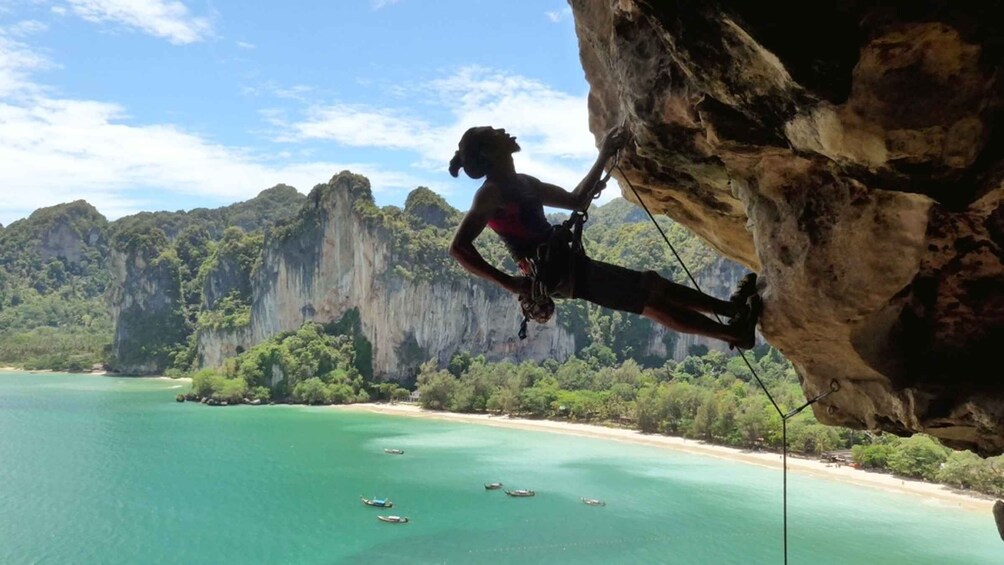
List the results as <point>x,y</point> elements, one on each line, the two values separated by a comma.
<point>553,265</point>
<point>785,416</point>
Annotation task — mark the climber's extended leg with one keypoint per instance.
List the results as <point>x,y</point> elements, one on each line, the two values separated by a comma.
<point>684,297</point>
<point>675,306</point>
<point>742,335</point>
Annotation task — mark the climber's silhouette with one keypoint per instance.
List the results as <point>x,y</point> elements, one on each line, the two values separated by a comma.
<point>512,205</point>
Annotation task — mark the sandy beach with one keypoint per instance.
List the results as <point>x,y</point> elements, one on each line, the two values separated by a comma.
<point>940,493</point>
<point>96,374</point>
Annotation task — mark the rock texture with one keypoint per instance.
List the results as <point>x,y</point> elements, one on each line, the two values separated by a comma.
<point>850,152</point>
<point>145,302</point>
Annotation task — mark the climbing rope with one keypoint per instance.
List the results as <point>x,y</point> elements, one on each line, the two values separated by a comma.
<point>834,386</point>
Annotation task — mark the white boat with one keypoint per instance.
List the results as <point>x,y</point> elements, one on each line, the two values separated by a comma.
<point>521,493</point>
<point>394,451</point>
<point>594,502</point>
<point>394,519</point>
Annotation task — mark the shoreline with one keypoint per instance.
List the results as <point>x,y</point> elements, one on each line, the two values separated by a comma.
<point>973,502</point>
<point>8,369</point>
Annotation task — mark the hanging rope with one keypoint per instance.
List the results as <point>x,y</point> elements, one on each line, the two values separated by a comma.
<point>834,386</point>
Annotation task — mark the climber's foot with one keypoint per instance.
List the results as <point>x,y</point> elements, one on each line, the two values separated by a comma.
<point>746,322</point>
<point>745,288</point>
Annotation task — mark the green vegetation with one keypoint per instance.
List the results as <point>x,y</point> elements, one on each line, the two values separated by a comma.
<point>922,457</point>
<point>309,366</point>
<point>230,312</point>
<point>710,398</point>
<point>55,275</point>
<point>424,207</point>
<point>224,281</point>
<point>52,279</point>
<point>269,206</point>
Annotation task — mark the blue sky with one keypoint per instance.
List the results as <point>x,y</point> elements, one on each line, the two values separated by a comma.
<point>164,104</point>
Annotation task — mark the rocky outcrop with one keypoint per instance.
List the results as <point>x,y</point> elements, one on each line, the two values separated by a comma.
<point>853,160</point>
<point>340,254</point>
<point>145,302</point>
<point>430,209</point>
<point>228,270</point>
<point>73,233</point>
<point>217,345</point>
<point>227,276</point>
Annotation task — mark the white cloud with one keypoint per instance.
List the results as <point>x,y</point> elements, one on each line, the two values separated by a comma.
<point>56,149</point>
<point>551,126</point>
<point>169,19</point>
<point>377,4</point>
<point>270,88</point>
<point>245,45</point>
<point>27,27</point>
<point>360,126</point>
<point>551,122</point>
<point>17,61</point>
<point>559,15</point>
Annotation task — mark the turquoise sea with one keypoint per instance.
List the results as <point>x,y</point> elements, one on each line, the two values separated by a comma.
<point>112,470</point>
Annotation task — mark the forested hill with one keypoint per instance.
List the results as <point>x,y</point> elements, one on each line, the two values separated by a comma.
<point>54,271</point>
<point>193,288</point>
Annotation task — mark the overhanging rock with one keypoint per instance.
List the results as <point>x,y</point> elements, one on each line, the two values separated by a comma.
<point>851,153</point>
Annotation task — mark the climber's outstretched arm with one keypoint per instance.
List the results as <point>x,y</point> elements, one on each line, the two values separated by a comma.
<point>583,194</point>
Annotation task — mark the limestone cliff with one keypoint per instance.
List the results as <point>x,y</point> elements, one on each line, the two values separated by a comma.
<point>342,253</point>
<point>162,281</point>
<point>848,151</point>
<point>145,301</point>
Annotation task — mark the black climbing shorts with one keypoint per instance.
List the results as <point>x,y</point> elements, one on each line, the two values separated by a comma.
<point>606,285</point>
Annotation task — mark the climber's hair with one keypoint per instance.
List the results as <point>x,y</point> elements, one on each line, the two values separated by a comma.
<point>470,157</point>
<point>455,164</point>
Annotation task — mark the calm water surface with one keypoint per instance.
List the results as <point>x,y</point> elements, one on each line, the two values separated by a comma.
<point>112,470</point>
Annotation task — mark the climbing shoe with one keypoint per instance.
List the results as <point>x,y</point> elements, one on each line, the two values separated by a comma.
<point>746,320</point>
<point>745,288</point>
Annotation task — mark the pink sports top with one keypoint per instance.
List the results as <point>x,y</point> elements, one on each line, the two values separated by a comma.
<point>521,223</point>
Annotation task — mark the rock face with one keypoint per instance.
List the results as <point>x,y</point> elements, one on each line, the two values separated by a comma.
<point>850,152</point>
<point>146,306</point>
<point>336,256</point>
